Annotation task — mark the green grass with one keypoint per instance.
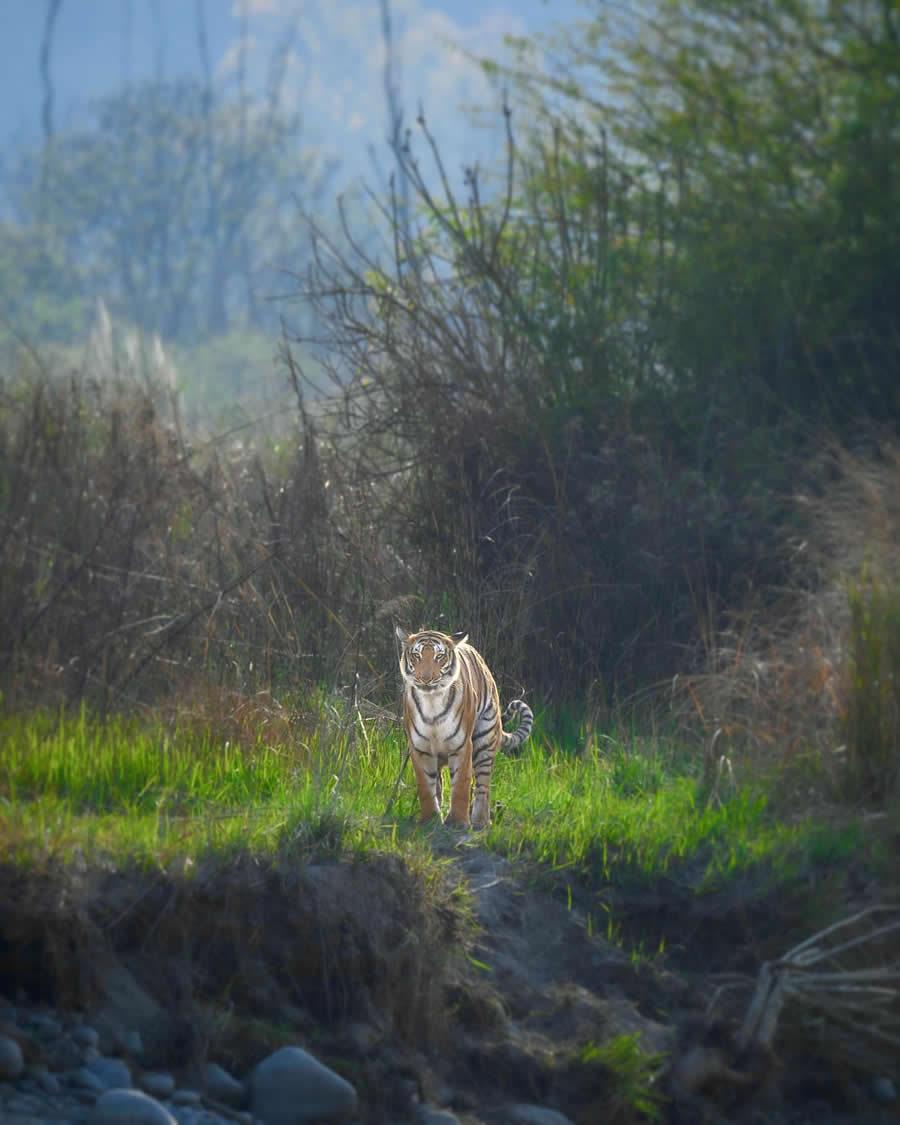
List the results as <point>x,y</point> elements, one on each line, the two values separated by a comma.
<point>72,786</point>
<point>622,813</point>
<point>623,810</point>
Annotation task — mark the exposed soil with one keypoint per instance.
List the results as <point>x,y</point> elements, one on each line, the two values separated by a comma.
<point>419,993</point>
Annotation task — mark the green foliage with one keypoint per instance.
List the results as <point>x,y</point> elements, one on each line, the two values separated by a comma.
<point>871,711</point>
<point>635,1073</point>
<point>759,141</point>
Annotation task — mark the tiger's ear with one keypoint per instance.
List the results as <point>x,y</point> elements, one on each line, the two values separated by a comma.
<point>459,638</point>
<point>401,633</point>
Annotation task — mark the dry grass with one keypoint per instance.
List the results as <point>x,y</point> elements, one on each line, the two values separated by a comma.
<point>805,684</point>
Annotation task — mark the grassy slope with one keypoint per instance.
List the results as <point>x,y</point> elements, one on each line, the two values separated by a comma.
<point>608,827</point>
<point>621,811</point>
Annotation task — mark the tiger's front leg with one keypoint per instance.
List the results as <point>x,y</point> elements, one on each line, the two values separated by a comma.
<point>460,784</point>
<point>428,784</point>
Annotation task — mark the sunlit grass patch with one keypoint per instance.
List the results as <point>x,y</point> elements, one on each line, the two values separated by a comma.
<point>73,785</point>
<point>621,812</point>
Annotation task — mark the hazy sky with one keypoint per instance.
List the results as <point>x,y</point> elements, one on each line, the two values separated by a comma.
<point>336,61</point>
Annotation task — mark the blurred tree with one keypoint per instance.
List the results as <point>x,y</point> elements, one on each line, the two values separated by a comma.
<point>168,204</point>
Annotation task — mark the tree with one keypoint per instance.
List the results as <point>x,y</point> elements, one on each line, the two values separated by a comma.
<point>764,137</point>
<point>169,201</point>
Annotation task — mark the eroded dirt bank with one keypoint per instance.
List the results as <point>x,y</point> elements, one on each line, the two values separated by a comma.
<point>472,987</point>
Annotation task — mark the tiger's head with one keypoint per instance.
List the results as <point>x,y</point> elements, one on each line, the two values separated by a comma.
<point>428,660</point>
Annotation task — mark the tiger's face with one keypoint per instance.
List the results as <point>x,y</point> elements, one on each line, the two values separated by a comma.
<point>428,660</point>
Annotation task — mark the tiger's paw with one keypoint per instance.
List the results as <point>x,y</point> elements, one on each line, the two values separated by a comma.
<point>456,821</point>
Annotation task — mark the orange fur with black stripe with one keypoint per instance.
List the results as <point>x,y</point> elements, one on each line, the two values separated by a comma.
<point>451,712</point>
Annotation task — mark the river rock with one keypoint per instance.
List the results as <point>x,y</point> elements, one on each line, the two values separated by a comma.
<point>522,1114</point>
<point>883,1089</point>
<point>219,1084</point>
<point>129,1107</point>
<point>429,1116</point>
<point>290,1087</point>
<point>113,1073</point>
<point>12,1062</point>
<point>158,1084</point>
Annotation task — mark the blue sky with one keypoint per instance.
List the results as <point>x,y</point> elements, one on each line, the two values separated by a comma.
<point>335,73</point>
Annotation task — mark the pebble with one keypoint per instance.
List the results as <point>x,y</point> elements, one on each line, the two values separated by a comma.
<point>159,1085</point>
<point>78,1084</point>
<point>883,1089</point>
<point>12,1062</point>
<point>222,1086</point>
<point>85,1036</point>
<point>45,1026</point>
<point>133,1043</point>
<point>521,1114</point>
<point>429,1116</point>
<point>113,1073</point>
<point>88,1080</point>
<point>129,1107</point>
<point>48,1082</point>
<point>186,1097</point>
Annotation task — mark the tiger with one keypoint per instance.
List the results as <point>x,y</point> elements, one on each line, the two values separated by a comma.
<point>451,713</point>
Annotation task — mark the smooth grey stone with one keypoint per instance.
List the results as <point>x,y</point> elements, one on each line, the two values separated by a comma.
<point>48,1082</point>
<point>522,1114</point>
<point>883,1089</point>
<point>219,1084</point>
<point>186,1097</point>
<point>158,1084</point>
<point>12,1062</point>
<point>87,1080</point>
<point>132,1042</point>
<point>113,1073</point>
<point>45,1026</point>
<point>22,1103</point>
<point>129,1107</point>
<point>85,1036</point>
<point>429,1116</point>
<point>290,1087</point>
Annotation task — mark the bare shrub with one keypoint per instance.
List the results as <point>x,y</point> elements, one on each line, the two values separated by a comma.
<point>484,390</point>
<point>140,562</point>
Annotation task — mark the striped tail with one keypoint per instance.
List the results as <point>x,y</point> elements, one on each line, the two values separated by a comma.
<point>512,740</point>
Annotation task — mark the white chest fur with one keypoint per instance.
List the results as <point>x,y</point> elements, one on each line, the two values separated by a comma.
<point>436,719</point>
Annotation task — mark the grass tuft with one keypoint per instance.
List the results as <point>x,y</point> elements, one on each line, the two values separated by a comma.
<point>870,720</point>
